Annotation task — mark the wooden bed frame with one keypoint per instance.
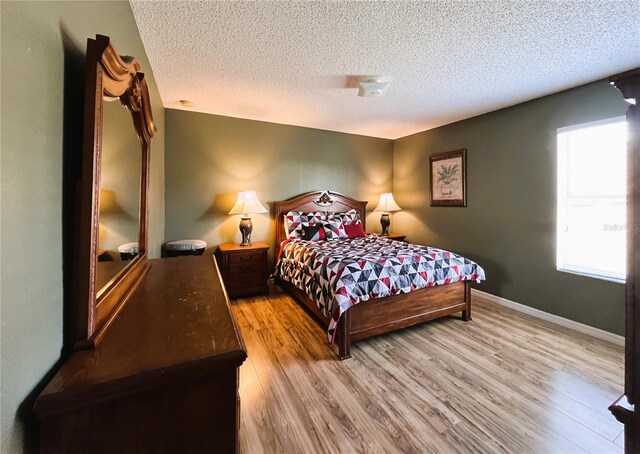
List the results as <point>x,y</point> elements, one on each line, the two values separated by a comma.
<point>379,315</point>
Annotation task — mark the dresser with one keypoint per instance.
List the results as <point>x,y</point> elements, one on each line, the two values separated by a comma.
<point>244,268</point>
<point>163,379</point>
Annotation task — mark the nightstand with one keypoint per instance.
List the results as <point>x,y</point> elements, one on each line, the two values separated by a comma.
<point>243,268</point>
<point>391,236</point>
<point>396,236</point>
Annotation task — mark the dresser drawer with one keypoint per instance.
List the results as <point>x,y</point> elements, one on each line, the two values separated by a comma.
<point>246,257</point>
<point>246,280</point>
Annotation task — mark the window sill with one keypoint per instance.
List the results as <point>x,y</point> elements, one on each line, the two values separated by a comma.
<point>577,272</point>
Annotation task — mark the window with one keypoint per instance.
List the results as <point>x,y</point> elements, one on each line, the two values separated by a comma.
<point>592,193</point>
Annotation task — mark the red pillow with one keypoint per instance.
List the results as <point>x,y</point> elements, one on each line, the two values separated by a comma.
<point>354,230</point>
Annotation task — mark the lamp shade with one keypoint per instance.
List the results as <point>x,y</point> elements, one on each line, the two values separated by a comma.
<point>248,203</point>
<point>387,204</point>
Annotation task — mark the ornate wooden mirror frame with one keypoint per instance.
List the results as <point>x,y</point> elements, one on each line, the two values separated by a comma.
<point>107,75</point>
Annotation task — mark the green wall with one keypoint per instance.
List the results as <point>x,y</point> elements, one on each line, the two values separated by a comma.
<point>42,56</point>
<point>509,223</point>
<point>210,158</point>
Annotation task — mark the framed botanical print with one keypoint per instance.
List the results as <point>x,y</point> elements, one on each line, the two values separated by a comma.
<point>448,177</point>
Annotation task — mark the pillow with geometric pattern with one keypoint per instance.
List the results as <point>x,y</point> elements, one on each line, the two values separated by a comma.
<point>349,217</point>
<point>296,219</point>
<point>334,229</point>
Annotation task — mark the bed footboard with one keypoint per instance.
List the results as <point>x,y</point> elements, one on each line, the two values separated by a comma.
<point>379,316</point>
<point>384,315</point>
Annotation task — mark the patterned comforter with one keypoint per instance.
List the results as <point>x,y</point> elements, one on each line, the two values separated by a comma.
<point>338,274</point>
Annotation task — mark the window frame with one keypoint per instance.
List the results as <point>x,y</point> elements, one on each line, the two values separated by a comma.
<point>562,204</point>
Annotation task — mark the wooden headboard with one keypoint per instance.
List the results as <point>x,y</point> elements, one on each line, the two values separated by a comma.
<point>316,201</point>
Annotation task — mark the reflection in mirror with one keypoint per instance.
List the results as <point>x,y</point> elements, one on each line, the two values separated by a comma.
<point>119,227</point>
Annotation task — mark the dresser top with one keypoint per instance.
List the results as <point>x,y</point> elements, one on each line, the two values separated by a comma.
<point>176,325</point>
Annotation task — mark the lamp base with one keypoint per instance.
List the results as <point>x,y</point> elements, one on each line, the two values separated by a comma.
<point>385,222</point>
<point>246,227</point>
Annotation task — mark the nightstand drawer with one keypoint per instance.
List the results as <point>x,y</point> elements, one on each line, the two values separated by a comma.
<point>244,267</point>
<point>246,280</point>
<point>246,257</point>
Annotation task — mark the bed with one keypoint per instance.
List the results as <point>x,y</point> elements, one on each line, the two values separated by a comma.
<point>371,316</point>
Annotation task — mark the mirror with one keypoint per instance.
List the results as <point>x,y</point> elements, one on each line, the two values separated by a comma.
<point>112,201</point>
<point>119,212</point>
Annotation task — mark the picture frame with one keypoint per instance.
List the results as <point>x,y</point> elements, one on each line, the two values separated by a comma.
<point>448,178</point>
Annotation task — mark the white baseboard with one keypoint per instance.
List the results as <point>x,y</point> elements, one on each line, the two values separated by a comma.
<point>565,322</point>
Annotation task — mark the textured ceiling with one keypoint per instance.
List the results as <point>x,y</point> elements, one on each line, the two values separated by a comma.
<point>298,62</point>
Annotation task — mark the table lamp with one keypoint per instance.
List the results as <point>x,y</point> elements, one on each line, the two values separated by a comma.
<point>385,206</point>
<point>247,204</point>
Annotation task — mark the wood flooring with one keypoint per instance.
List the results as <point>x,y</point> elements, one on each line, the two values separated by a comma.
<point>503,382</point>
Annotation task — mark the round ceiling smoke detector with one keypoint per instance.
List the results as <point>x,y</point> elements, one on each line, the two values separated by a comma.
<point>186,103</point>
<point>373,88</point>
